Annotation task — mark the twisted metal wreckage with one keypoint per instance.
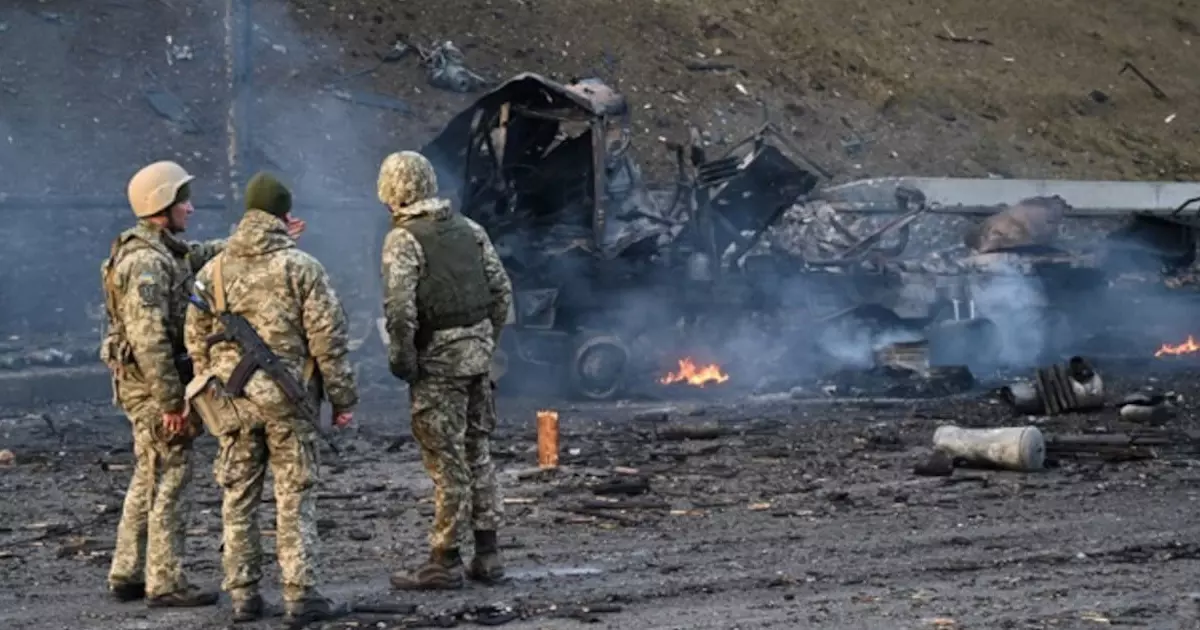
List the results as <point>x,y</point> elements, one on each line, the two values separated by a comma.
<point>617,280</point>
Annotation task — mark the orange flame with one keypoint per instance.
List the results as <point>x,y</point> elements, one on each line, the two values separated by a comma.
<point>691,374</point>
<point>1186,347</point>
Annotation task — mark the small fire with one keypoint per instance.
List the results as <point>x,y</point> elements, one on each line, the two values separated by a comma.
<point>1186,347</point>
<point>692,374</point>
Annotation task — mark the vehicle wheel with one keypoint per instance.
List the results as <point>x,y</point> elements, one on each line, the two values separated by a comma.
<point>598,367</point>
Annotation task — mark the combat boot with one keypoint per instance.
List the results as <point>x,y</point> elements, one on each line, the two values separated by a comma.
<point>127,591</point>
<point>312,610</point>
<point>247,609</point>
<point>187,597</point>
<point>486,566</point>
<point>442,572</point>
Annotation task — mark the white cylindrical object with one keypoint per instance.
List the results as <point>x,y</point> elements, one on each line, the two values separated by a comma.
<point>1012,448</point>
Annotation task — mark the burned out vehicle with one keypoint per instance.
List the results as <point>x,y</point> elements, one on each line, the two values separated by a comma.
<point>615,282</point>
<point>609,277</point>
<point>1028,284</point>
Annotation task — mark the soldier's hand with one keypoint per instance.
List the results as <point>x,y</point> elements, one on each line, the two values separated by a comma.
<point>343,419</point>
<point>295,227</point>
<point>174,422</point>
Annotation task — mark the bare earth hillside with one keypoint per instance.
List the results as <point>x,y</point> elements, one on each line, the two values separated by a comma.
<point>1022,88</point>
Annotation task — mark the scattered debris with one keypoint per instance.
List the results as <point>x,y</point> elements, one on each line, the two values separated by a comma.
<point>630,487</point>
<point>547,439</point>
<point>1021,449</point>
<point>448,70</point>
<point>177,52</point>
<point>373,99</point>
<point>1151,444</point>
<point>938,464</point>
<point>708,65</point>
<point>681,432</point>
<point>1032,221</point>
<point>901,382</point>
<point>1154,89</point>
<point>653,416</point>
<point>398,51</point>
<point>967,39</point>
<point>1058,389</point>
<point>1148,408</point>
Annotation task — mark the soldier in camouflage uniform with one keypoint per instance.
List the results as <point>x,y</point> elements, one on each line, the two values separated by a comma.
<point>446,298</point>
<point>286,295</point>
<point>146,280</point>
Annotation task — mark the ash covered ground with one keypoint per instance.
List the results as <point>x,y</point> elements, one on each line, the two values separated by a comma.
<point>802,514</point>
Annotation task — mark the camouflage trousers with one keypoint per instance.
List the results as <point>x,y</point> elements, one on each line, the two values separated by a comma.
<point>287,445</point>
<point>452,422</point>
<point>151,534</point>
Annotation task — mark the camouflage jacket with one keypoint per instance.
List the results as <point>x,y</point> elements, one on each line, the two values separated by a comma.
<point>146,281</point>
<point>286,295</point>
<point>452,352</point>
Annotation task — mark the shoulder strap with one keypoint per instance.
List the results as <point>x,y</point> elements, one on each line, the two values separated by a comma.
<point>218,285</point>
<point>110,283</point>
<point>108,267</point>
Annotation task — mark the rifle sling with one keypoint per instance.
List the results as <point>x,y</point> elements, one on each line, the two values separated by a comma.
<point>218,284</point>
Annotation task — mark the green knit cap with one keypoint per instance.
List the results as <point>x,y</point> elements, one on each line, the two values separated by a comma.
<point>266,193</point>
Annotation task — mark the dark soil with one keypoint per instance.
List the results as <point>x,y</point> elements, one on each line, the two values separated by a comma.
<point>804,514</point>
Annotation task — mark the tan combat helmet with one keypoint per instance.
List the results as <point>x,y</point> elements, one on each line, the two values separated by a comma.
<point>153,189</point>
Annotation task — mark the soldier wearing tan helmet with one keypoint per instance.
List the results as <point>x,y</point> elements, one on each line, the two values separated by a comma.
<point>446,298</point>
<point>146,281</point>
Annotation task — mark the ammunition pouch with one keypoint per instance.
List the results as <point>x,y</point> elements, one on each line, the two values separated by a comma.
<point>116,352</point>
<point>208,402</point>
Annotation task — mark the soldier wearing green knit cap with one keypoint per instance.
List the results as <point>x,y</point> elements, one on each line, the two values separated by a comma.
<point>286,296</point>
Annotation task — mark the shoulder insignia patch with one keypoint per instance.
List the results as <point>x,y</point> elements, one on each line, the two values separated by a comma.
<point>149,292</point>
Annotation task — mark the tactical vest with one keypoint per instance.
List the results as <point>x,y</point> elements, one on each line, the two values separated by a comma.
<point>115,349</point>
<point>453,291</point>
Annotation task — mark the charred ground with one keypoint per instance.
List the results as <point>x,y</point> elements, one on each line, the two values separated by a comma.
<point>802,515</point>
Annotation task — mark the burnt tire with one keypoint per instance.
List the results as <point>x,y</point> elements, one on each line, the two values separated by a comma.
<point>598,367</point>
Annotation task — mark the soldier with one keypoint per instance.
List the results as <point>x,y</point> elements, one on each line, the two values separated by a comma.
<point>146,279</point>
<point>446,299</point>
<point>286,296</point>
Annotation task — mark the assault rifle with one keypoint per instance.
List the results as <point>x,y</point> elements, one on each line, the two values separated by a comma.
<point>257,355</point>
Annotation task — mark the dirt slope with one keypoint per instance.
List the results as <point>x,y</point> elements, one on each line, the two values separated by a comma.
<point>964,87</point>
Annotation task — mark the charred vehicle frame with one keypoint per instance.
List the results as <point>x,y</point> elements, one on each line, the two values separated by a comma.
<point>597,260</point>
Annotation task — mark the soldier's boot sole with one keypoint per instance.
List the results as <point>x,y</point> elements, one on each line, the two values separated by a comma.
<point>126,592</point>
<point>430,577</point>
<point>299,615</point>
<point>191,598</point>
<point>486,569</point>
<point>249,609</point>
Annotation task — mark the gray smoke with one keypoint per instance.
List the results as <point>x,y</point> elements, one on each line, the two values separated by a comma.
<point>90,92</point>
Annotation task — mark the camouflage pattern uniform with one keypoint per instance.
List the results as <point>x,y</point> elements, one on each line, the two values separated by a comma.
<point>446,367</point>
<point>146,280</point>
<point>286,295</point>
